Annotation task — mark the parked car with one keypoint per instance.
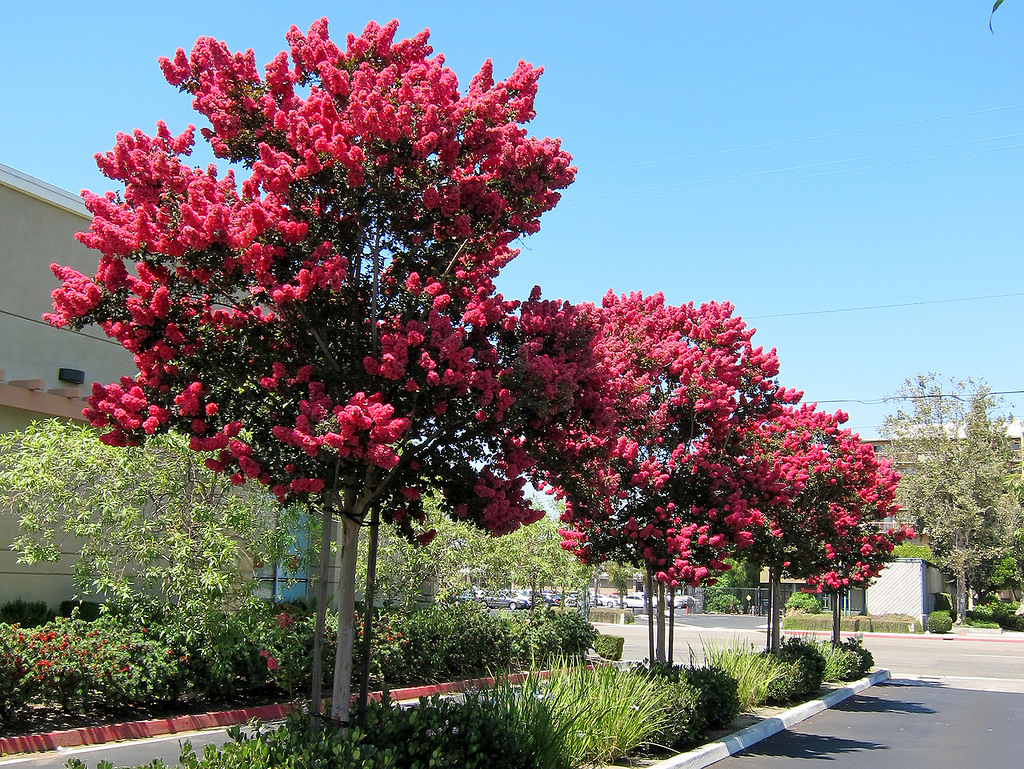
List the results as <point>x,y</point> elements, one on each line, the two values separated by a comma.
<point>506,599</point>
<point>634,601</point>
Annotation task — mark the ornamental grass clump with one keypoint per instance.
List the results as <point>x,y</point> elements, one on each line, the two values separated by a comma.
<point>755,673</point>
<point>606,713</point>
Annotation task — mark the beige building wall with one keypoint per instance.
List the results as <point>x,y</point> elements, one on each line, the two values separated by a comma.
<point>38,223</point>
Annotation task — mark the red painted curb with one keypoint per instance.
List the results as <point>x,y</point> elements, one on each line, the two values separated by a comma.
<point>131,730</point>
<point>97,735</point>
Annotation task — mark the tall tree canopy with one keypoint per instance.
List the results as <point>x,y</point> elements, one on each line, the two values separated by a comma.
<point>329,325</point>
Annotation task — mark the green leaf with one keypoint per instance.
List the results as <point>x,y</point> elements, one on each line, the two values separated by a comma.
<point>994,8</point>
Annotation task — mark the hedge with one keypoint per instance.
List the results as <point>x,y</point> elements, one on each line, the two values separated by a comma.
<point>612,616</point>
<point>888,623</point>
<point>609,646</point>
<point>124,661</point>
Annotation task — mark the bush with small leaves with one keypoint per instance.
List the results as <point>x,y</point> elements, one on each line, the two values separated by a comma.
<point>939,621</point>
<point>847,661</point>
<point>717,694</point>
<point>805,672</point>
<point>686,719</point>
<point>609,646</point>
<point>25,614</point>
<point>803,602</point>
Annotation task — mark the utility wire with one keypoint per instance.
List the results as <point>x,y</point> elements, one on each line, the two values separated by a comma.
<point>926,396</point>
<point>804,139</point>
<point>790,178</point>
<point>752,174</point>
<point>883,306</point>
<point>72,331</point>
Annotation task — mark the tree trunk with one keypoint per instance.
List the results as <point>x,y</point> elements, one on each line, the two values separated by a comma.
<point>836,598</point>
<point>326,530</point>
<point>961,595</point>
<point>649,585</point>
<point>662,657</point>
<point>671,625</point>
<point>368,601</point>
<point>342,695</point>
<point>776,618</point>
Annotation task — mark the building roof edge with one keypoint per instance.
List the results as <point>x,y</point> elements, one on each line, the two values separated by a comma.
<point>37,188</point>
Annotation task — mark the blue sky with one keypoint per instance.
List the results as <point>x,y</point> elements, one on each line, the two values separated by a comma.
<point>792,158</point>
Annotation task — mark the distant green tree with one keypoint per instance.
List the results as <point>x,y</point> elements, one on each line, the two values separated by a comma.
<point>954,455</point>
<point>151,524</point>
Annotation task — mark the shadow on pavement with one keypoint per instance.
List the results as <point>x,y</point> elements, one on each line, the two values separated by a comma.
<point>864,703</point>
<point>788,745</point>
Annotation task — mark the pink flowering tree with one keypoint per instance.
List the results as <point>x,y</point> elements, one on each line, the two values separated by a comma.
<point>328,325</point>
<point>865,533</point>
<point>688,385</point>
<point>831,487</point>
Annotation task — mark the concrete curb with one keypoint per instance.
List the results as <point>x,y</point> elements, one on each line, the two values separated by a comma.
<point>734,743</point>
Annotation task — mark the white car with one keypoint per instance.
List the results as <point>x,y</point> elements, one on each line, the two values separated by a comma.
<point>634,601</point>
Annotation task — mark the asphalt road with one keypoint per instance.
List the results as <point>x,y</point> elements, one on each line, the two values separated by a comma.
<point>929,726</point>
<point>993,657</point>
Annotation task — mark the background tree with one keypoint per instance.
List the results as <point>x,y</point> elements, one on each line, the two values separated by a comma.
<point>152,525</point>
<point>954,455</point>
<point>330,328</point>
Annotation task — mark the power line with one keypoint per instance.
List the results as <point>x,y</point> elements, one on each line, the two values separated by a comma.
<point>893,398</point>
<point>791,178</point>
<point>804,167</point>
<point>72,331</point>
<point>883,306</point>
<point>804,139</point>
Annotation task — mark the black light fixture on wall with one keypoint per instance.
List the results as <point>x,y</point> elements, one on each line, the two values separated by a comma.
<point>71,375</point>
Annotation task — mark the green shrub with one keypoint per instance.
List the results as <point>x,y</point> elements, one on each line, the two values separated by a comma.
<point>944,602</point>
<point>847,661</point>
<point>939,621</point>
<point>717,694</point>
<point>720,601</point>
<point>686,718</point>
<point>609,646</point>
<point>481,732</point>
<point>787,682</point>
<point>1000,612</point>
<point>25,614</point>
<point>804,603</point>
<point>810,662</point>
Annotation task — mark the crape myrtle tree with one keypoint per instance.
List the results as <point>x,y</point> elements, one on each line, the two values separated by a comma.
<point>688,385</point>
<point>329,326</point>
<point>821,522</point>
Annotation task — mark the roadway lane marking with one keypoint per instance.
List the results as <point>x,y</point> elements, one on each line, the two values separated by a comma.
<point>996,656</point>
